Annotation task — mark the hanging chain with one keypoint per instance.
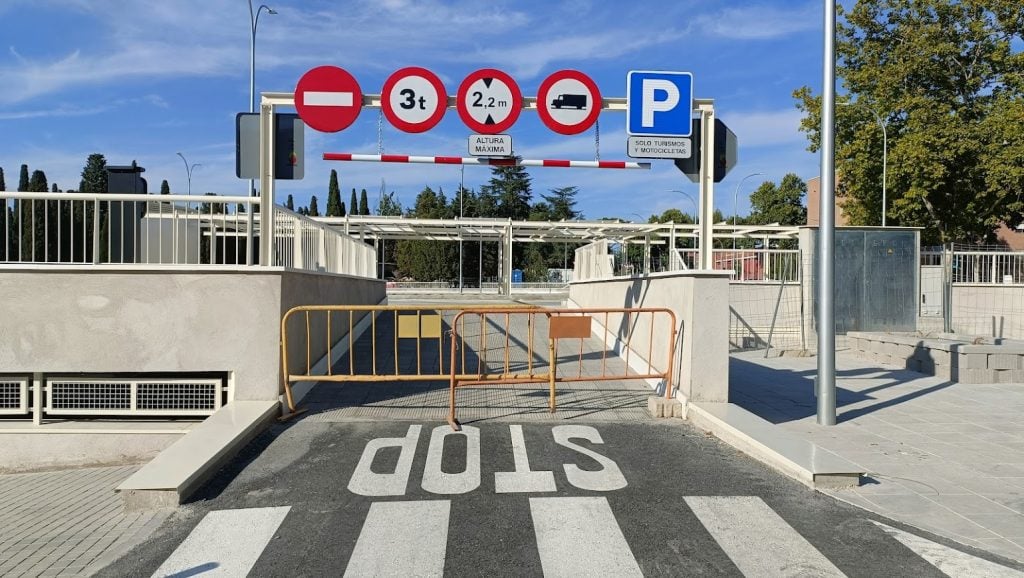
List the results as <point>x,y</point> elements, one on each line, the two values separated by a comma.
<point>597,140</point>
<point>380,132</point>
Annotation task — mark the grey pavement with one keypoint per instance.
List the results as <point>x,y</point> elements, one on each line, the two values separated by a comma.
<point>941,456</point>
<point>67,522</point>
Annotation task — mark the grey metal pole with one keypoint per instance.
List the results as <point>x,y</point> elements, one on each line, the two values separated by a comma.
<point>462,193</point>
<point>826,380</point>
<point>885,159</point>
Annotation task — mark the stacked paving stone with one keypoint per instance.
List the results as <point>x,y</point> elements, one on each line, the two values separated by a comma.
<point>945,356</point>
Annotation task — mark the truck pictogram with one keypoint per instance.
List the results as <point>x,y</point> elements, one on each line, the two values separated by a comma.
<point>579,101</point>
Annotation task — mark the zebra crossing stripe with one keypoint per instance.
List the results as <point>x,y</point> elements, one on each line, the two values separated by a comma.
<point>402,539</point>
<point>225,543</point>
<point>580,537</point>
<point>757,540</point>
<point>953,563</point>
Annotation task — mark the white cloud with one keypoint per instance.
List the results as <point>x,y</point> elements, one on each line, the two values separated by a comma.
<point>761,21</point>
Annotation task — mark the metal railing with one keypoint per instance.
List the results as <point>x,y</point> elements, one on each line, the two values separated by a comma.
<point>469,345</point>
<point>987,267</point>
<point>308,245</point>
<point>89,229</point>
<point>164,230</point>
<point>752,265</point>
<point>521,361</point>
<point>395,351</point>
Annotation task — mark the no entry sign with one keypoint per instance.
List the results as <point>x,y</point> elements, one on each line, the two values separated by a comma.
<point>328,98</point>
<point>568,102</point>
<point>414,99</point>
<point>489,101</point>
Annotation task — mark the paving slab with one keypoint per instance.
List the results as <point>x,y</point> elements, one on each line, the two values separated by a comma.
<point>940,455</point>
<point>67,522</point>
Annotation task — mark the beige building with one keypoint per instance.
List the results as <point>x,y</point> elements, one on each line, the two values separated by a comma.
<point>813,198</point>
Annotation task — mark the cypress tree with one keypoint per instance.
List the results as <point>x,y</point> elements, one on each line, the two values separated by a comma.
<point>353,204</point>
<point>165,189</point>
<point>314,211</point>
<point>364,204</point>
<point>289,203</point>
<point>23,179</point>
<point>333,196</point>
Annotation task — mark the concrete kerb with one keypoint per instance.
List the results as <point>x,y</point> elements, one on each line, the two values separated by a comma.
<point>174,475</point>
<point>797,458</point>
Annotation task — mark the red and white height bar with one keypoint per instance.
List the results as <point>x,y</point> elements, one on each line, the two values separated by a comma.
<point>485,161</point>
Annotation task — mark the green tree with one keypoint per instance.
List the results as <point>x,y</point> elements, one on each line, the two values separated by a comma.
<point>429,260</point>
<point>947,81</point>
<point>563,203</point>
<point>314,211</point>
<point>6,220</point>
<point>289,203</point>
<point>353,203</point>
<point>165,188</point>
<point>511,187</point>
<point>364,203</point>
<point>781,204</point>
<point>94,181</point>
<point>208,208</point>
<point>33,220</point>
<point>388,206</point>
<point>343,210</point>
<point>535,269</point>
<point>334,197</point>
<point>23,179</point>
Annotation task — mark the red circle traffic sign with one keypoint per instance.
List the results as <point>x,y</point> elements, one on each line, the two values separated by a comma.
<point>413,99</point>
<point>568,102</point>
<point>489,101</point>
<point>328,98</point>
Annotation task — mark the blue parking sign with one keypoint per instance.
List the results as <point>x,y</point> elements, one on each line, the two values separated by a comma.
<point>658,103</point>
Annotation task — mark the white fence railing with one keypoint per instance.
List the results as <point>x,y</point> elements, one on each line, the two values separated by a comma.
<point>987,267</point>
<point>305,244</point>
<point>159,230</point>
<point>751,265</point>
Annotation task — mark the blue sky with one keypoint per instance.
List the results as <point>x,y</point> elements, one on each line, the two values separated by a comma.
<point>144,80</point>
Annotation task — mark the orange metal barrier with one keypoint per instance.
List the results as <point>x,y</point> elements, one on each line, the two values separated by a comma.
<point>561,324</point>
<point>484,345</point>
<point>414,326</point>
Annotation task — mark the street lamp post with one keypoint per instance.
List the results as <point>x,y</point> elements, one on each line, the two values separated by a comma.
<point>254,19</point>
<point>188,171</point>
<point>885,151</point>
<point>735,197</point>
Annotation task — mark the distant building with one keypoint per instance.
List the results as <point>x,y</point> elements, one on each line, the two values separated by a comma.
<point>1012,238</point>
<point>813,197</point>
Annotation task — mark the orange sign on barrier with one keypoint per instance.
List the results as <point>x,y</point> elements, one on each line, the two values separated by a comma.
<point>569,327</point>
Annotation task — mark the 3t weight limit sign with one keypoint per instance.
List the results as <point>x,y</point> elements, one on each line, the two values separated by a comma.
<point>414,99</point>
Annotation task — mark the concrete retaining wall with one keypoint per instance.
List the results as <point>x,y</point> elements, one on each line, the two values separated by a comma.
<point>100,320</point>
<point>700,300</point>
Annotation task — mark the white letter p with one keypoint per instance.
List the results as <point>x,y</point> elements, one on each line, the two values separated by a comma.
<point>651,105</point>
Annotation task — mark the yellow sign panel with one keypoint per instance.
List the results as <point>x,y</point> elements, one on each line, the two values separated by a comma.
<point>431,326</point>
<point>408,326</point>
<point>416,326</point>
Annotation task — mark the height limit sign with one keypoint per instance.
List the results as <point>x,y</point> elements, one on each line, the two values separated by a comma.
<point>489,101</point>
<point>658,147</point>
